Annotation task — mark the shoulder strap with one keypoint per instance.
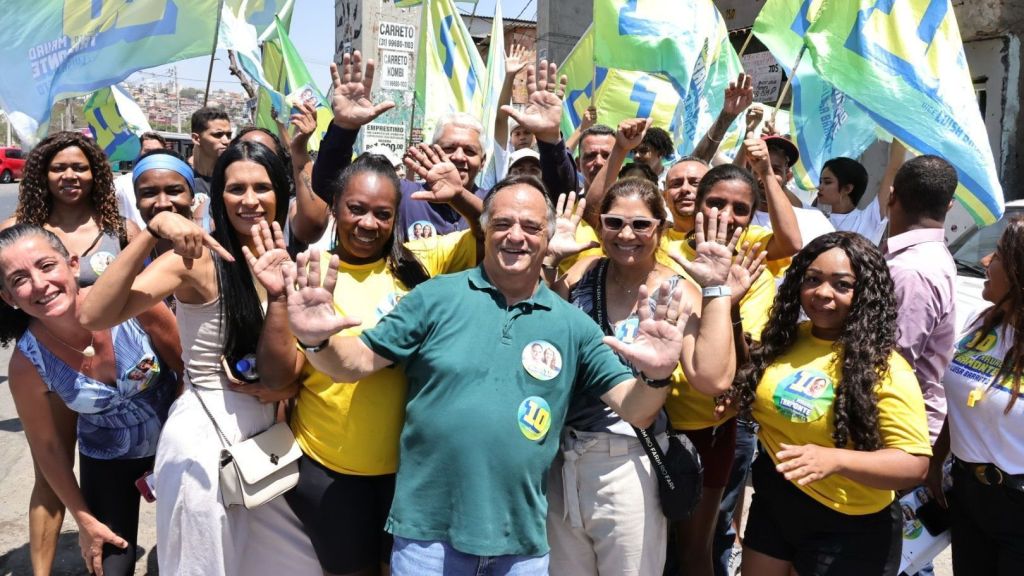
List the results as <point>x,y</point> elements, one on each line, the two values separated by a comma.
<point>223,438</point>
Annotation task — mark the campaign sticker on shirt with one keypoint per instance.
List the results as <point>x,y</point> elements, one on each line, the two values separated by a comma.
<point>387,304</point>
<point>421,229</point>
<point>542,360</point>
<point>144,373</point>
<point>804,396</point>
<point>626,330</point>
<point>99,262</point>
<point>534,418</point>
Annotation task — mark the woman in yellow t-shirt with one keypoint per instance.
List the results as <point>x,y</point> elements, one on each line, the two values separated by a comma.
<point>349,431</point>
<point>842,419</point>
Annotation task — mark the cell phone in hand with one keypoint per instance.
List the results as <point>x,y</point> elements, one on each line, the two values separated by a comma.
<point>933,517</point>
<point>145,487</point>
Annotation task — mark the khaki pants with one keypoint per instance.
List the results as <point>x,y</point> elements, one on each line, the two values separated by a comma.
<point>604,517</point>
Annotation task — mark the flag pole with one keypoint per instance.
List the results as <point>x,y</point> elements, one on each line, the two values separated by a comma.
<point>789,80</point>
<point>743,49</point>
<point>209,71</point>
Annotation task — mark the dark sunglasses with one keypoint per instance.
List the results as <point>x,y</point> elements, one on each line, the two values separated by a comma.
<point>639,224</point>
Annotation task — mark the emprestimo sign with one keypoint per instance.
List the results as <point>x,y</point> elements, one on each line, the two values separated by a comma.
<point>64,48</point>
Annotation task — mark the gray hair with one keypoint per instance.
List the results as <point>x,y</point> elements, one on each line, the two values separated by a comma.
<point>463,120</point>
<point>12,235</point>
<point>531,181</point>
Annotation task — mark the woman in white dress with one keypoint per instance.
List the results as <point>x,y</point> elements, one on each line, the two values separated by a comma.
<point>230,304</point>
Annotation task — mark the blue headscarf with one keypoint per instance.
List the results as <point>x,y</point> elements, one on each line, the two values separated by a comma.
<point>164,162</point>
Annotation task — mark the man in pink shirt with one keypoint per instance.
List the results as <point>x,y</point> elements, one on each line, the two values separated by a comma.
<point>924,275</point>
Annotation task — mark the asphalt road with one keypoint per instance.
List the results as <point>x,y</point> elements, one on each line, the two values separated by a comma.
<point>8,199</point>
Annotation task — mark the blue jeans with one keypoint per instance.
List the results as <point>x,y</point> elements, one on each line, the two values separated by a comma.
<point>725,536</point>
<point>436,558</point>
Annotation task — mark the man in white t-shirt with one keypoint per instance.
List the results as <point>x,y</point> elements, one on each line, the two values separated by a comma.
<point>784,154</point>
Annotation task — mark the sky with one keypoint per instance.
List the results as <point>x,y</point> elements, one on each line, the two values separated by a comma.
<point>312,32</point>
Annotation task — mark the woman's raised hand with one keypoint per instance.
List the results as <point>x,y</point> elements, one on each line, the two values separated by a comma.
<point>714,251</point>
<point>187,238</point>
<point>270,259</point>
<point>563,244</point>
<point>311,313</point>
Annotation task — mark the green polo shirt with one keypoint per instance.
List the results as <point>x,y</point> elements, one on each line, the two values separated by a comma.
<point>489,386</point>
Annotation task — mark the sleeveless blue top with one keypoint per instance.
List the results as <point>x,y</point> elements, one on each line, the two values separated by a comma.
<point>119,422</point>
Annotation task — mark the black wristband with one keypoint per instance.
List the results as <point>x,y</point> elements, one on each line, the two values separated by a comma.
<point>313,348</point>
<point>660,383</point>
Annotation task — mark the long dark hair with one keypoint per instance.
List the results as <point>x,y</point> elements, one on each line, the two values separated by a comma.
<point>401,262</point>
<point>35,201</point>
<point>864,347</point>
<point>240,305</point>
<point>14,322</point>
<point>1007,312</point>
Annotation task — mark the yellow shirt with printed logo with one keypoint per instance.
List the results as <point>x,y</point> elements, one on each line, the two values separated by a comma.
<point>354,427</point>
<point>793,405</point>
<point>688,409</point>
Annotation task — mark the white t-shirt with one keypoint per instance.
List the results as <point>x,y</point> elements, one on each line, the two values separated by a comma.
<point>811,221</point>
<point>867,222</point>
<point>496,169</point>
<point>984,433</point>
<point>125,192</point>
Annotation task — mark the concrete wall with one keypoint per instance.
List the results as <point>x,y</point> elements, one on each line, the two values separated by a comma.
<point>560,23</point>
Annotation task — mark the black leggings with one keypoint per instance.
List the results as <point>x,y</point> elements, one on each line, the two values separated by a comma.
<point>108,487</point>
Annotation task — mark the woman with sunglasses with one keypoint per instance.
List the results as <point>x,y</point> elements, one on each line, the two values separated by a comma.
<point>230,304</point>
<point>604,515</point>
<point>985,423</point>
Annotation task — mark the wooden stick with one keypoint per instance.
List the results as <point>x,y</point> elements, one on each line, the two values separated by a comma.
<point>746,42</point>
<point>789,80</point>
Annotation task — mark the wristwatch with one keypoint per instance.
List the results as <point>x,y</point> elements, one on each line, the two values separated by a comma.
<point>716,291</point>
<point>659,383</point>
<point>313,348</point>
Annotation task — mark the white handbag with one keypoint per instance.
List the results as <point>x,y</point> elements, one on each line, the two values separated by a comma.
<point>255,471</point>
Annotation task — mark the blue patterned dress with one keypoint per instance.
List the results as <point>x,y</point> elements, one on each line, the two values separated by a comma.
<point>119,422</point>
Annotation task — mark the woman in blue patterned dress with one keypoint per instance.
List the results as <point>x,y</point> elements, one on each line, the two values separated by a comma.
<point>113,379</point>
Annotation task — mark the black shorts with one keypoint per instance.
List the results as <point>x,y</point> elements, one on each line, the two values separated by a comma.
<point>787,524</point>
<point>717,448</point>
<point>343,515</point>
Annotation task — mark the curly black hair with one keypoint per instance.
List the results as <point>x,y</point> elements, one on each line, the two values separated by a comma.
<point>659,140</point>
<point>865,345</point>
<point>35,201</point>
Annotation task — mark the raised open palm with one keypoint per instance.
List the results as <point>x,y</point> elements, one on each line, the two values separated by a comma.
<point>270,259</point>
<point>311,313</point>
<point>350,98</point>
<point>569,213</point>
<point>655,350</point>
<point>543,113</point>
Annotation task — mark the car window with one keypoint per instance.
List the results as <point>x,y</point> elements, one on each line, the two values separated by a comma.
<point>14,153</point>
<point>982,242</point>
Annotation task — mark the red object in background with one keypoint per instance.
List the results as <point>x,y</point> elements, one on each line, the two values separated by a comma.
<point>12,164</point>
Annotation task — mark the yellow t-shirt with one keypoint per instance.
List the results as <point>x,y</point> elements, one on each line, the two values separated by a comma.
<point>687,408</point>
<point>354,427</point>
<point>793,405</point>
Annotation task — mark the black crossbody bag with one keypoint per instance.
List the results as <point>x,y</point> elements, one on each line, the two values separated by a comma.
<point>679,470</point>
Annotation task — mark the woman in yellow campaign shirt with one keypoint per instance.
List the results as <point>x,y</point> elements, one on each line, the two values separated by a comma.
<point>842,419</point>
<point>349,432</point>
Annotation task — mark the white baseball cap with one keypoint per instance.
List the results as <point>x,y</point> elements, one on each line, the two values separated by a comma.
<point>521,154</point>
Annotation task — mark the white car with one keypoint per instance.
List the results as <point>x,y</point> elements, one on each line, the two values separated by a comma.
<point>968,250</point>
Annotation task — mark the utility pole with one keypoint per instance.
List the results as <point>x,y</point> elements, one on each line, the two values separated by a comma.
<point>177,98</point>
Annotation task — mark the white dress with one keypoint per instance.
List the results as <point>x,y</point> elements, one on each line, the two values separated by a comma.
<point>196,535</point>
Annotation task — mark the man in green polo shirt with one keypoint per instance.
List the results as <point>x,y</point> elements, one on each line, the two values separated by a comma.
<point>493,358</point>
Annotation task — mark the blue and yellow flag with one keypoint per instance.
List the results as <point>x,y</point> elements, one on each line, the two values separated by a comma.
<point>824,123</point>
<point>716,66</point>
<point>62,48</point>
<point>620,94</point>
<point>904,63</point>
<point>495,78</point>
<point>449,71</point>
<point>116,122</point>
<point>649,36</point>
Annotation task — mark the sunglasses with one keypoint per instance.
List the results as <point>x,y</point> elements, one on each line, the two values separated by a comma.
<point>640,225</point>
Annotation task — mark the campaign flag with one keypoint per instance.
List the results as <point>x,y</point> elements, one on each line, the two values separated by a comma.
<point>450,74</point>
<point>904,63</point>
<point>648,36</point>
<point>284,69</point>
<point>493,83</point>
<point>824,123</point>
<point>716,66</point>
<point>62,48</point>
<point>240,36</point>
<point>620,94</point>
<point>261,14</point>
<point>116,122</point>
